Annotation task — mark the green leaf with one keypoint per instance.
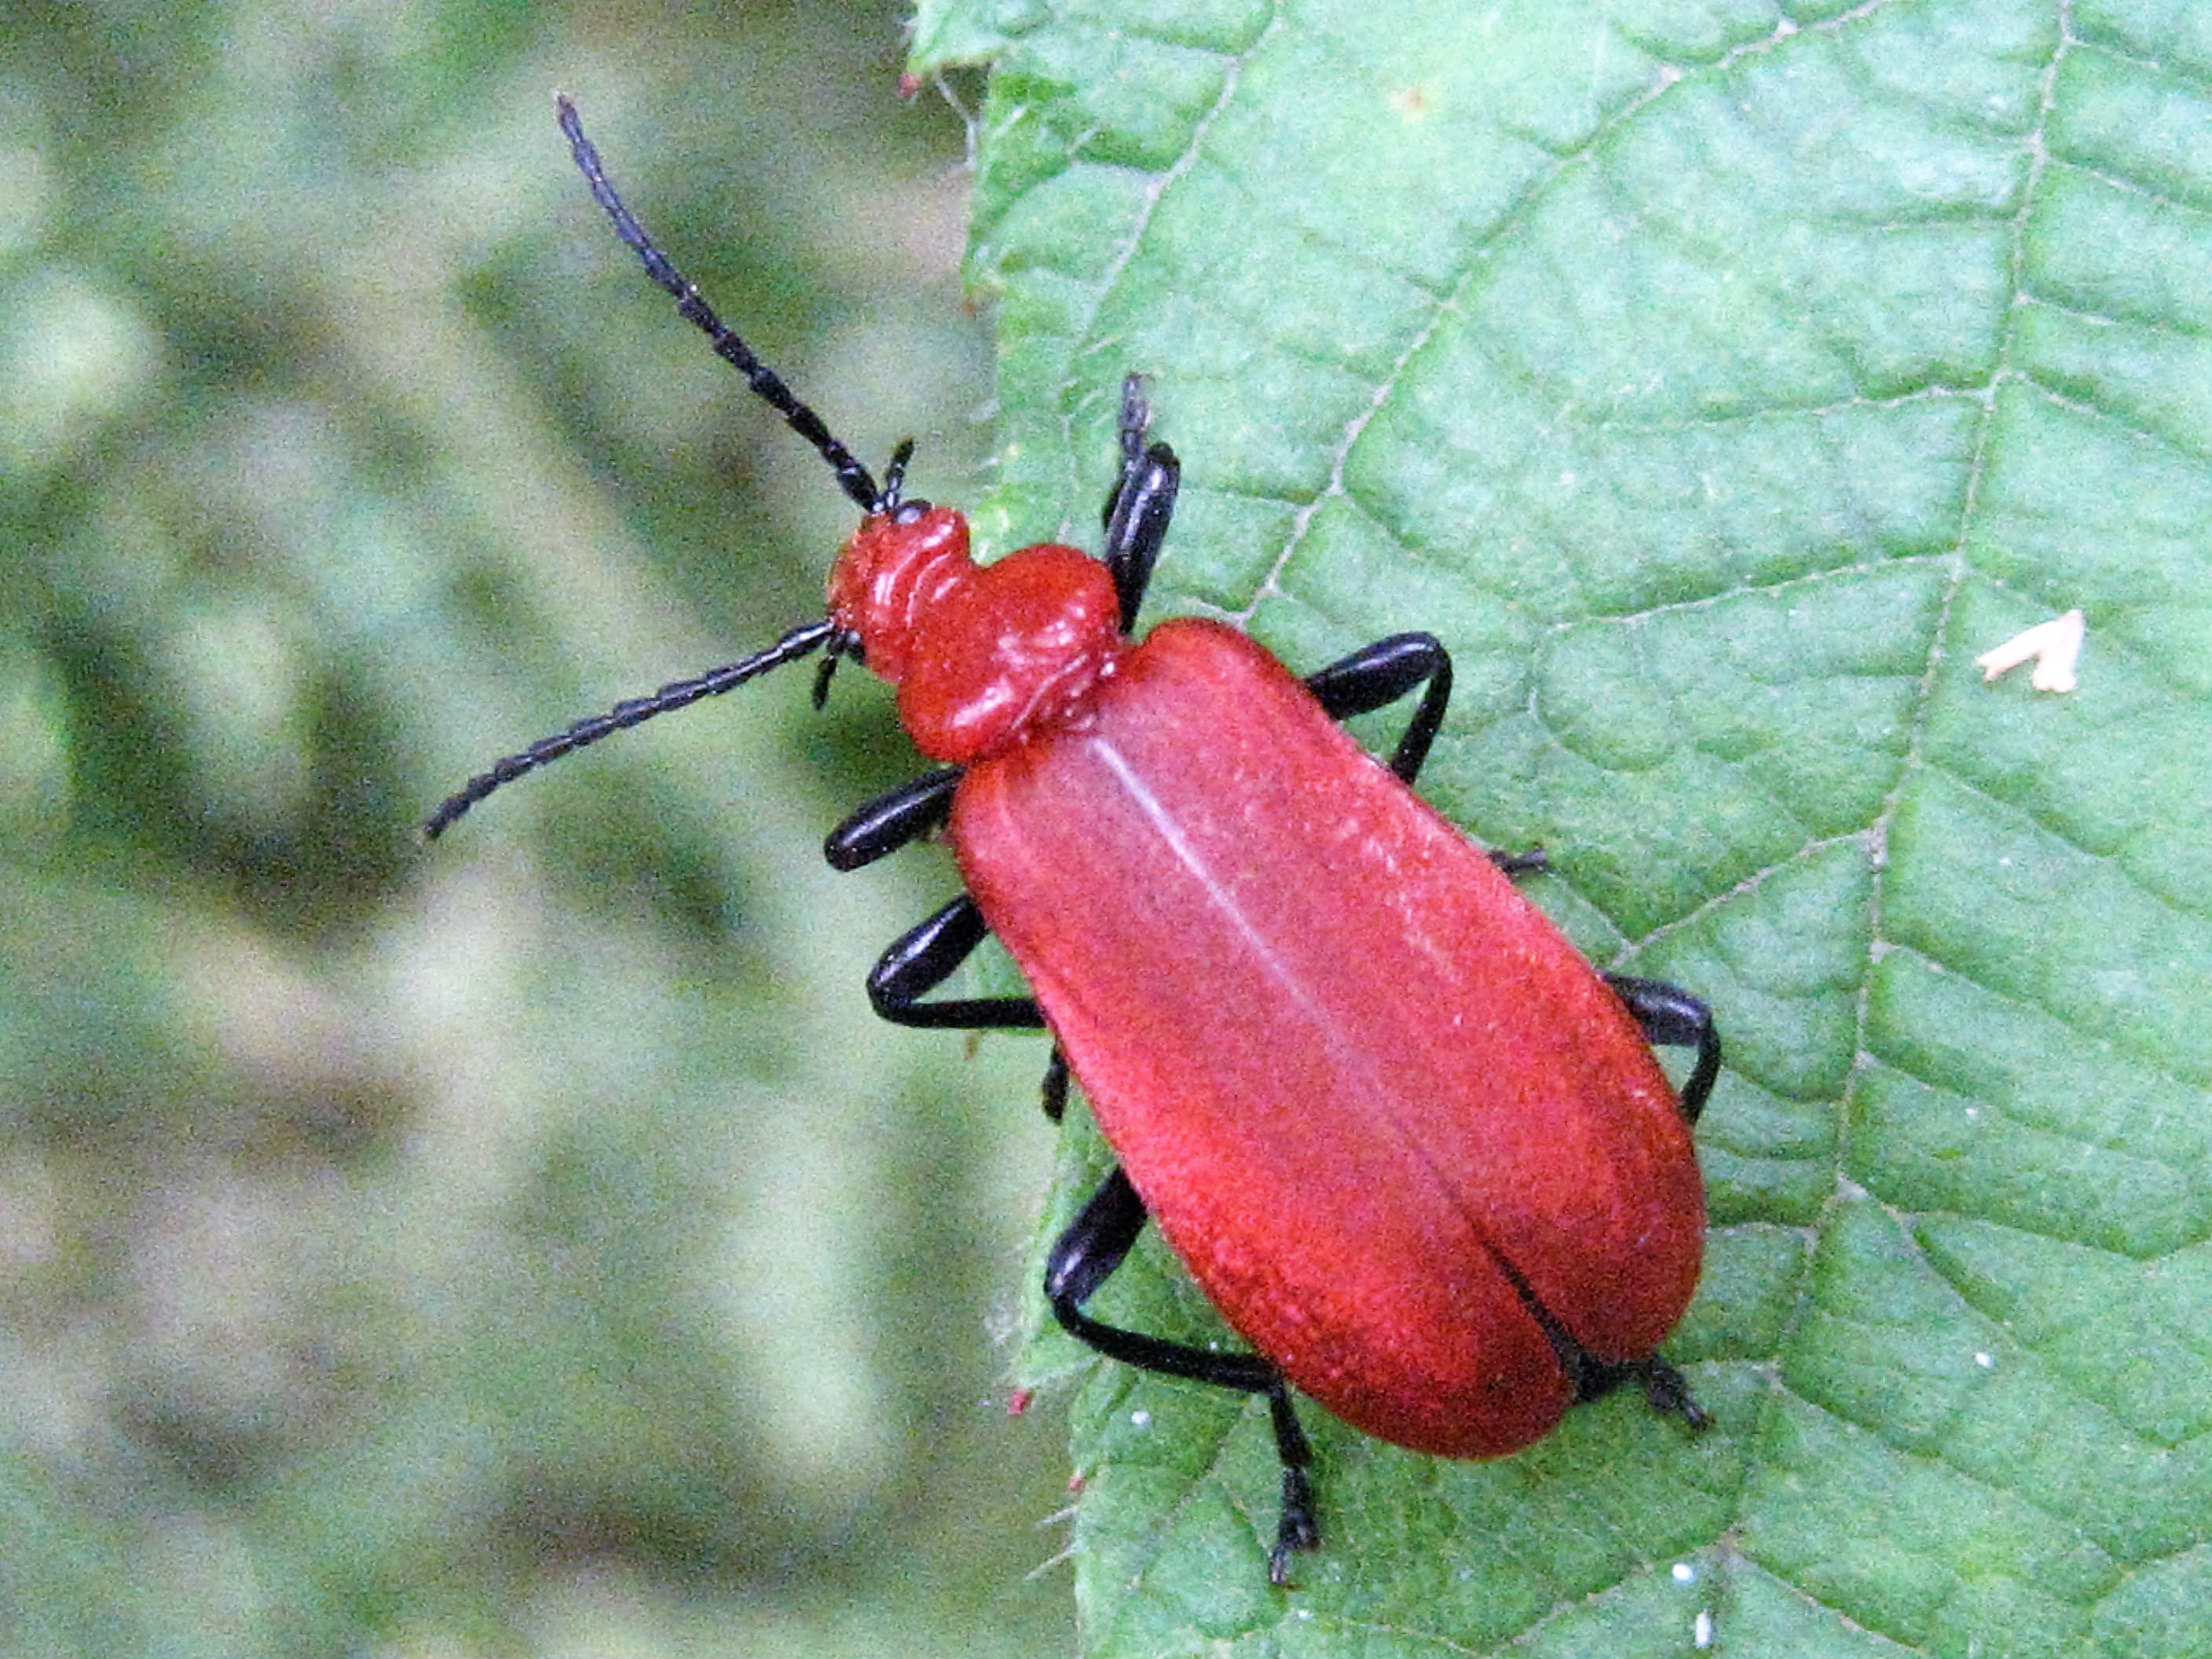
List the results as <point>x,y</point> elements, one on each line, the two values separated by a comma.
<point>1719,382</point>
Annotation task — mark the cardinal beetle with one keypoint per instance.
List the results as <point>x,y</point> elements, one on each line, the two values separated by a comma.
<point>1415,1149</point>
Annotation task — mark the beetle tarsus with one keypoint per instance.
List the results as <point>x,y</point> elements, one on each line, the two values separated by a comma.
<point>1668,1391</point>
<point>1084,1257</point>
<point>1299,1529</point>
<point>1298,1532</point>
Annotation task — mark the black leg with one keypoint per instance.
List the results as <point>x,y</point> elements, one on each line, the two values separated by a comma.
<point>1592,1377</point>
<point>926,956</point>
<point>1381,674</point>
<point>1668,1394</point>
<point>923,958</point>
<point>1142,502</point>
<point>1385,671</point>
<point>1662,1385</point>
<point>1519,864</point>
<point>1674,1018</point>
<point>1054,1087</point>
<point>1083,1257</point>
<point>892,821</point>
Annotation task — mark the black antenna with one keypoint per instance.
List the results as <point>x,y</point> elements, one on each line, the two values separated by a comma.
<point>799,643</point>
<point>853,478</point>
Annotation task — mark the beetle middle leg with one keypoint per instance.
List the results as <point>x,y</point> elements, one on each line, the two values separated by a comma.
<point>925,956</point>
<point>1377,676</point>
<point>1093,1246</point>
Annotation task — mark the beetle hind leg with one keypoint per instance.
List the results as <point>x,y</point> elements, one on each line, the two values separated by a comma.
<point>1093,1245</point>
<point>1668,1393</point>
<point>1672,1018</point>
<point>1664,1388</point>
<point>1591,1377</point>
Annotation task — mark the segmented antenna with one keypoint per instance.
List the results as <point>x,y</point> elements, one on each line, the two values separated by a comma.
<point>799,643</point>
<point>853,478</point>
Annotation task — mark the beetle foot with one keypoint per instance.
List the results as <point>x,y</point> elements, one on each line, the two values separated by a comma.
<point>1519,864</point>
<point>1298,1530</point>
<point>1670,1394</point>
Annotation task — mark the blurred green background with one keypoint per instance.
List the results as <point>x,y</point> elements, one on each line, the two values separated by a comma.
<point>529,1244</point>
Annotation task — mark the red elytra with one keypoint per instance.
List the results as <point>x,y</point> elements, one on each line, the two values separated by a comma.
<point>1413,1146</point>
<point>1380,1107</point>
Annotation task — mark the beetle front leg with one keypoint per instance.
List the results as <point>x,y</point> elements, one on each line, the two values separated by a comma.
<point>1672,1018</point>
<point>913,810</point>
<point>1082,1258</point>
<point>1141,506</point>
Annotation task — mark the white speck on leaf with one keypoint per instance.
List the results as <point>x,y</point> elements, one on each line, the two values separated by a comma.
<point>2056,645</point>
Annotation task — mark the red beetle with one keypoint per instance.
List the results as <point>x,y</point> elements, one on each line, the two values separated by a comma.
<point>1411,1144</point>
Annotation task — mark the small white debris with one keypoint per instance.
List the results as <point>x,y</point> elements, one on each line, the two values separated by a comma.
<point>1987,1362</point>
<point>1142,1418</point>
<point>2056,645</point>
<point>1684,1573</point>
<point>1701,1629</point>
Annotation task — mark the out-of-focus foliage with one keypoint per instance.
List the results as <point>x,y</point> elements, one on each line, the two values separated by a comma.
<point>528,1243</point>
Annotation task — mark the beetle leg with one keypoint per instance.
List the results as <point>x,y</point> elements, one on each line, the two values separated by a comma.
<point>1055,1088</point>
<point>890,822</point>
<point>1674,1018</point>
<point>1142,502</point>
<point>924,958</point>
<point>1663,1387</point>
<point>926,955</point>
<point>1592,1377</point>
<point>1668,1394</point>
<point>1379,674</point>
<point>1081,1259</point>
<point>1518,864</point>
